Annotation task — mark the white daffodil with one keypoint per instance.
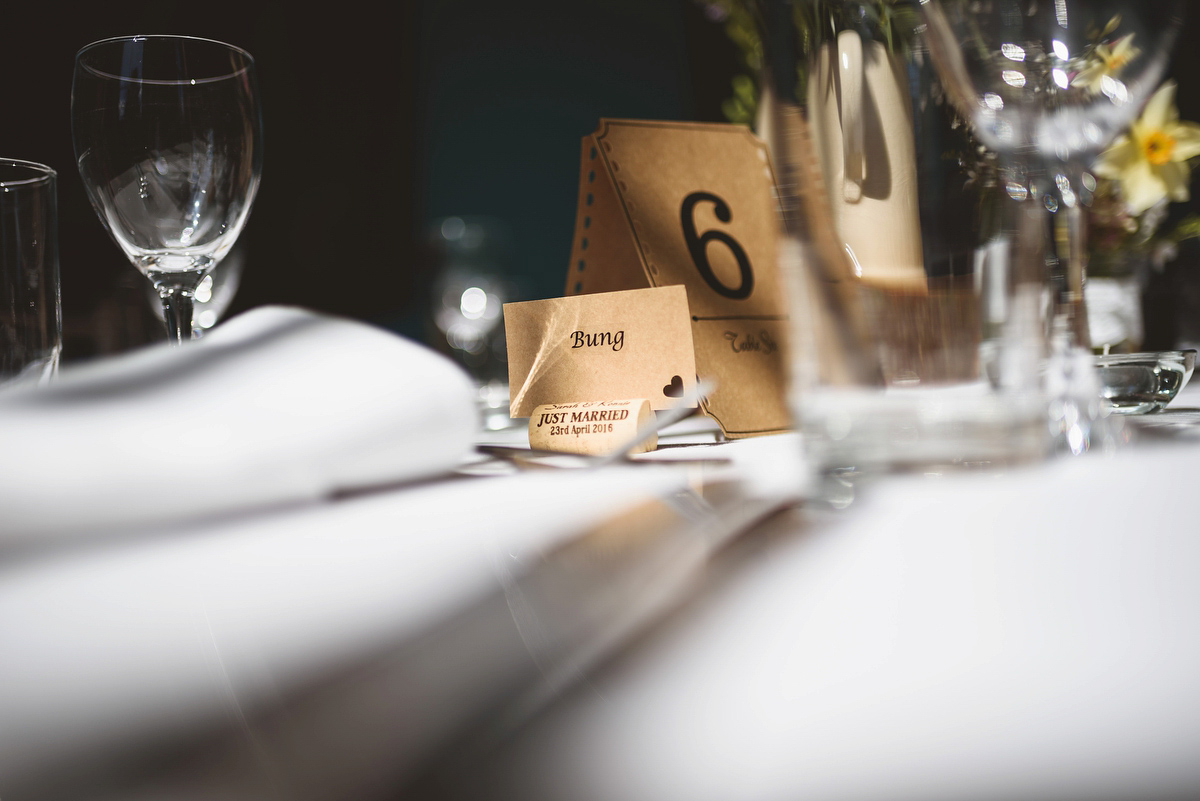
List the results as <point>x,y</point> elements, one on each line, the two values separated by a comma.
<point>1149,162</point>
<point>1105,62</point>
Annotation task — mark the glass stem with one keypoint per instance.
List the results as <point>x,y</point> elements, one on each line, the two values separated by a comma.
<point>1072,236</point>
<point>178,295</point>
<point>1026,329</point>
<point>1029,222</point>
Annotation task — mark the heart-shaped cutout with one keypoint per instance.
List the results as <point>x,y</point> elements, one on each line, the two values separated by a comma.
<point>675,388</point>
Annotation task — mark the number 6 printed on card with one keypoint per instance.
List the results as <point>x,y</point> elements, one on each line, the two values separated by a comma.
<point>698,246</point>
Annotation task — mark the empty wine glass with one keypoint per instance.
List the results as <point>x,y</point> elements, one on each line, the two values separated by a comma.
<point>1047,85</point>
<point>168,140</point>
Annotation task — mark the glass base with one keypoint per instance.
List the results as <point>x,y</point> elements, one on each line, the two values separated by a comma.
<point>909,428</point>
<point>1140,383</point>
<point>37,372</point>
<point>492,401</point>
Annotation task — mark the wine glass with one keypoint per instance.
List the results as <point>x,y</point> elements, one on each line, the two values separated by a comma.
<point>1047,85</point>
<point>168,140</point>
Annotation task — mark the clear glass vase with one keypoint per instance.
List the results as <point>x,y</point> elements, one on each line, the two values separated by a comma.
<point>919,328</point>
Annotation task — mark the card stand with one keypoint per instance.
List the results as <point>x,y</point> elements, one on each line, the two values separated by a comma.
<point>664,203</point>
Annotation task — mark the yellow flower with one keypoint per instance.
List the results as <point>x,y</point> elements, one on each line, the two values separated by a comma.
<point>1150,161</point>
<point>1105,62</point>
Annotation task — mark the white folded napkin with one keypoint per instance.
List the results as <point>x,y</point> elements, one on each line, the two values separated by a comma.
<point>278,405</point>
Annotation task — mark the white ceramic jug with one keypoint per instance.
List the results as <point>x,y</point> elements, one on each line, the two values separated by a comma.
<point>860,115</point>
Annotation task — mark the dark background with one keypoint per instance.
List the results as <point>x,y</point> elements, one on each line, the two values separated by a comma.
<point>382,119</point>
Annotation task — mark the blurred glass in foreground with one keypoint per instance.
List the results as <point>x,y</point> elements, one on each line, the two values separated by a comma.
<point>30,307</point>
<point>919,329</point>
<point>469,292</point>
<point>1048,87</point>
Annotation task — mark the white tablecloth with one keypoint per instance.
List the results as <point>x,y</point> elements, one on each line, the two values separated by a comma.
<point>1031,634</point>
<point>378,611</point>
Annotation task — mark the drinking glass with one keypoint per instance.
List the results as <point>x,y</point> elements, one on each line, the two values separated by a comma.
<point>469,291</point>
<point>168,140</point>
<point>30,309</point>
<point>897,303</point>
<point>1047,86</point>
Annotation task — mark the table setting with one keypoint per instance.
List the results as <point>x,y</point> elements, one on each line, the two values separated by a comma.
<point>826,476</point>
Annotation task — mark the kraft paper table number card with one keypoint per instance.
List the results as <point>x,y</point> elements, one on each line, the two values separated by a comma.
<point>666,203</point>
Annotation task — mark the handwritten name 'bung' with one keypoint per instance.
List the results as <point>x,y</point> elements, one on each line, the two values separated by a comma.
<point>599,340</point>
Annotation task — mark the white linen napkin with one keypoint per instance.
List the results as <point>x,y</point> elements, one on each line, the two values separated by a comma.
<point>278,405</point>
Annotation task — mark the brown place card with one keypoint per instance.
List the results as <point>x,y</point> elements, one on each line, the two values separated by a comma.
<point>665,203</point>
<point>602,347</point>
